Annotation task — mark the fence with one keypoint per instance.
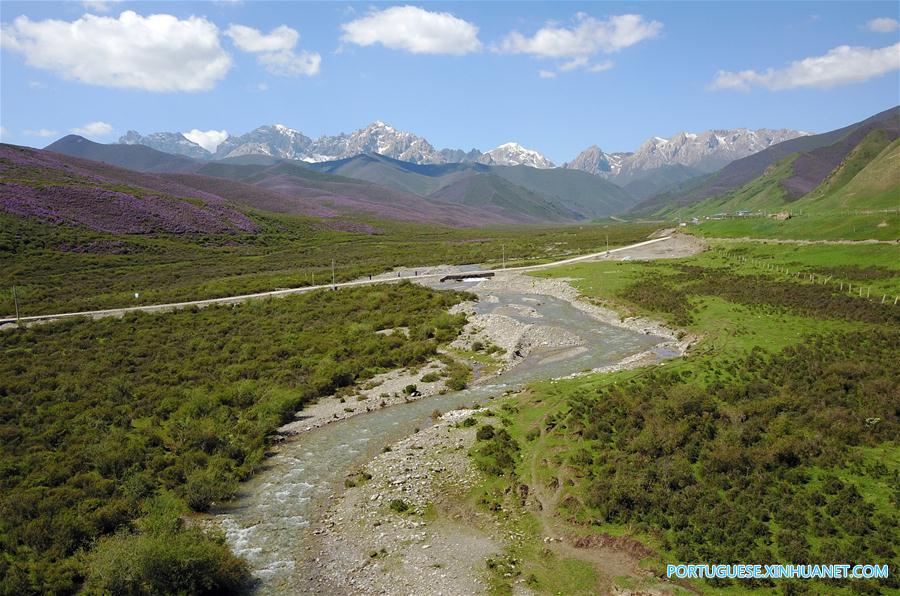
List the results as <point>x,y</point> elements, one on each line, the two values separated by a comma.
<point>857,290</point>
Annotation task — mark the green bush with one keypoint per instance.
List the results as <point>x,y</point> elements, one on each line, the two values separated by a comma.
<point>399,506</point>
<point>181,562</point>
<point>485,433</point>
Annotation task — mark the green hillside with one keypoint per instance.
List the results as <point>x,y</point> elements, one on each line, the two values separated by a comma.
<point>493,192</point>
<point>868,179</point>
<point>579,191</point>
<point>762,194</point>
<point>858,199</point>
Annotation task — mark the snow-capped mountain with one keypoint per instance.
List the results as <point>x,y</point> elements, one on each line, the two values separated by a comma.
<point>276,140</point>
<point>377,137</point>
<point>513,154</point>
<point>286,143</point>
<point>594,160</point>
<point>168,142</point>
<point>705,152</point>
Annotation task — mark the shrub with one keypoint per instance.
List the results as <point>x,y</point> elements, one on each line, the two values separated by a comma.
<point>181,562</point>
<point>399,506</point>
<point>485,433</point>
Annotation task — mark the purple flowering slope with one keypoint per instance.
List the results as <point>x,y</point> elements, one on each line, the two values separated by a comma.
<point>69,191</point>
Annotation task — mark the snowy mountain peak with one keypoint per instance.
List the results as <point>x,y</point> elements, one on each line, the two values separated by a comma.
<point>706,152</point>
<point>594,160</point>
<point>168,142</point>
<point>514,154</point>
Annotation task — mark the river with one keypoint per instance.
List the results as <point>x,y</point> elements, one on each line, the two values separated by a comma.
<point>272,517</point>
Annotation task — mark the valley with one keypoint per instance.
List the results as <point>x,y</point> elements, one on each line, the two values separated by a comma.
<point>603,296</point>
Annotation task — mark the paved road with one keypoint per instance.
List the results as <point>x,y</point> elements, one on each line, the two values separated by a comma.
<point>118,312</point>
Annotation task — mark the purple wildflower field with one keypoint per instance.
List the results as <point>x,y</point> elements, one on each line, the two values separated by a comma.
<point>58,189</point>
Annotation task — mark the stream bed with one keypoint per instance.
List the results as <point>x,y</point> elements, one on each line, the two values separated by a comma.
<point>273,515</point>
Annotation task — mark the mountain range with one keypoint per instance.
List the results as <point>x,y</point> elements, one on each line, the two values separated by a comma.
<point>378,186</point>
<point>656,165</point>
<point>134,187</point>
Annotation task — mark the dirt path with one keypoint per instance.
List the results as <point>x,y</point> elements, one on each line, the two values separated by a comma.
<point>118,312</point>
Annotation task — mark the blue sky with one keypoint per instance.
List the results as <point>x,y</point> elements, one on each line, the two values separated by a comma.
<point>468,89</point>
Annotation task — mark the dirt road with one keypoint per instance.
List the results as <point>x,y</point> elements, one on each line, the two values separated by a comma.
<point>118,312</point>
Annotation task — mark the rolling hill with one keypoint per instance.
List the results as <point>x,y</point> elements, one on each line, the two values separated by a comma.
<point>792,174</point>
<point>563,191</point>
<point>814,157</point>
<point>132,157</point>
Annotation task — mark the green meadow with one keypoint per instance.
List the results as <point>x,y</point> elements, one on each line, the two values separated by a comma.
<point>774,440</point>
<point>62,269</point>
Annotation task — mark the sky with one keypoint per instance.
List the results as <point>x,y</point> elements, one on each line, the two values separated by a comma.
<point>553,76</point>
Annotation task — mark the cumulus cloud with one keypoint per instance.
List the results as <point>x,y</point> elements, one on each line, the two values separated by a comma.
<point>208,139</point>
<point>159,52</point>
<point>93,129</point>
<point>3,132</point>
<point>275,50</point>
<point>253,40</point>
<point>546,74</point>
<point>100,5</point>
<point>414,30</point>
<point>883,25</point>
<point>842,65</point>
<point>41,132</point>
<point>586,37</point>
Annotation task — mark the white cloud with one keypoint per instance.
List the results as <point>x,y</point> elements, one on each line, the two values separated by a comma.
<point>289,64</point>
<point>574,64</point>
<point>41,132</point>
<point>276,50</point>
<point>587,37</point>
<point>3,132</point>
<point>208,139</point>
<point>262,86</point>
<point>253,40</point>
<point>601,66</point>
<point>842,65</point>
<point>883,25</point>
<point>155,53</point>
<point>94,129</point>
<point>546,74</point>
<point>414,30</point>
<point>100,5</point>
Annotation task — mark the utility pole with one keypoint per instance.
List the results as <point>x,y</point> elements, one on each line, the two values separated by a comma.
<point>333,285</point>
<point>16,301</point>
<point>607,242</point>
<point>504,255</point>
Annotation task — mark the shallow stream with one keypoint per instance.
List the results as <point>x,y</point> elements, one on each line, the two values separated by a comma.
<point>272,517</point>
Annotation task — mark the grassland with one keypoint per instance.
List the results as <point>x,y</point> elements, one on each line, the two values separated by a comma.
<point>847,225</point>
<point>775,441</point>
<point>58,269</point>
<point>113,431</point>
